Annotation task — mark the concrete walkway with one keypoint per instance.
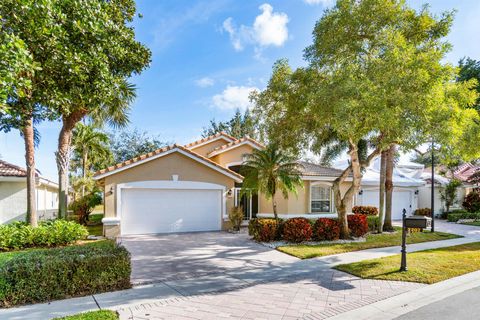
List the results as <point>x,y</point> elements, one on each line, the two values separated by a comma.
<point>269,285</point>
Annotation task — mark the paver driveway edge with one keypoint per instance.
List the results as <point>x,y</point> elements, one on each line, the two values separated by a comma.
<point>396,306</point>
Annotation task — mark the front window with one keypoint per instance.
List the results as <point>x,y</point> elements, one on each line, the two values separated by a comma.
<point>320,198</point>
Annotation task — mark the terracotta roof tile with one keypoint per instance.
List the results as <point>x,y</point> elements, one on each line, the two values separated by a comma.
<point>163,150</point>
<point>312,169</point>
<point>203,140</point>
<point>11,170</point>
<point>233,144</point>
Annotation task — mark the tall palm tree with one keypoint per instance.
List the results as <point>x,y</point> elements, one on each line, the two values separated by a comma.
<point>90,147</point>
<point>270,170</point>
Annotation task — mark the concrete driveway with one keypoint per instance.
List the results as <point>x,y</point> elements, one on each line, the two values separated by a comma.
<point>158,258</point>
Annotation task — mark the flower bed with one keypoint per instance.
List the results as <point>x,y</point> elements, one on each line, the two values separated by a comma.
<point>302,230</point>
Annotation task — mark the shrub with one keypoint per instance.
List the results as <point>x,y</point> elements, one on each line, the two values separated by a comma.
<point>427,212</point>
<point>83,206</point>
<point>373,223</point>
<point>326,229</point>
<point>454,217</point>
<point>264,230</point>
<point>50,274</point>
<point>358,225</point>
<point>235,215</point>
<point>297,230</point>
<point>366,210</point>
<point>471,203</point>
<point>48,234</point>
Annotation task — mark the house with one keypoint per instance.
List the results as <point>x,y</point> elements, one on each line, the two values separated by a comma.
<point>462,173</point>
<point>13,194</point>
<point>406,186</point>
<point>185,188</point>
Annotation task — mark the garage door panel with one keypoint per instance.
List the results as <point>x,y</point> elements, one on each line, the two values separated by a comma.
<point>168,210</point>
<point>400,199</point>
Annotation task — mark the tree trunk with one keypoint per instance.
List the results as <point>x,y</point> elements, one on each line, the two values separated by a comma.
<point>63,158</point>
<point>381,209</point>
<point>28,136</point>
<point>387,226</point>
<point>274,202</point>
<point>84,171</point>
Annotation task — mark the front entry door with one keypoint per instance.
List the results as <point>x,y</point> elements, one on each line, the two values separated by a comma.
<point>249,203</point>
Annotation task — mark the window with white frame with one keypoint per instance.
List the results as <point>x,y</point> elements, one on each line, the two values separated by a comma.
<point>320,198</point>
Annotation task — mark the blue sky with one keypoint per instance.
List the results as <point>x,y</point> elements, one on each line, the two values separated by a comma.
<point>208,54</point>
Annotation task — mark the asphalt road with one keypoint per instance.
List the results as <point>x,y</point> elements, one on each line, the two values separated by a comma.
<point>462,306</point>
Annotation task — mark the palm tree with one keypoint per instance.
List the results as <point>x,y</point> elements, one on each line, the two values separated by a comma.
<point>90,147</point>
<point>270,170</point>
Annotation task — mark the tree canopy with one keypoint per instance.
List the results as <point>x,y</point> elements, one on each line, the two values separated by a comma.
<point>239,126</point>
<point>374,72</point>
<point>128,144</point>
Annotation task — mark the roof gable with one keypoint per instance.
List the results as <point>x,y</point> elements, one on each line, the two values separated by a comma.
<point>235,144</point>
<point>163,152</point>
<point>219,136</point>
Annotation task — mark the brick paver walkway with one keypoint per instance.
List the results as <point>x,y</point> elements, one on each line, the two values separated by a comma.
<point>315,295</point>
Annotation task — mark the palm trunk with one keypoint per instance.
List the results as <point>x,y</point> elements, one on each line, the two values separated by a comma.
<point>28,136</point>
<point>381,209</point>
<point>274,202</point>
<point>63,158</point>
<point>389,188</point>
<point>84,171</point>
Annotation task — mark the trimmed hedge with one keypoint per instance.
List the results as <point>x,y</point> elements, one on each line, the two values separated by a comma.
<point>427,212</point>
<point>297,230</point>
<point>358,225</point>
<point>19,235</point>
<point>264,230</point>
<point>59,273</point>
<point>454,217</point>
<point>366,210</point>
<point>326,229</point>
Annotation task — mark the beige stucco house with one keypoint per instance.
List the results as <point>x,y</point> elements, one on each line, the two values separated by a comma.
<point>193,187</point>
<point>13,194</point>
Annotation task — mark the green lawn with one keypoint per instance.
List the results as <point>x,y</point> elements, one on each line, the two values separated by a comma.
<point>475,223</point>
<point>93,315</point>
<point>428,266</point>
<point>95,226</point>
<point>303,251</point>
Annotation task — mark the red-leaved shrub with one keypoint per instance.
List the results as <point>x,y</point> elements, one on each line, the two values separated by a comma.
<point>297,230</point>
<point>358,225</point>
<point>423,212</point>
<point>264,230</point>
<point>367,210</point>
<point>326,229</point>
<point>471,203</point>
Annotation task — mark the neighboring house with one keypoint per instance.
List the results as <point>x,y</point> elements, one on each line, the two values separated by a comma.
<point>192,188</point>
<point>13,194</point>
<point>462,173</point>
<point>406,186</point>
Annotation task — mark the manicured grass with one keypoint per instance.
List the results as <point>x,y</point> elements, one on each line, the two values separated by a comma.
<point>93,315</point>
<point>95,226</point>
<point>373,241</point>
<point>475,223</point>
<point>428,266</point>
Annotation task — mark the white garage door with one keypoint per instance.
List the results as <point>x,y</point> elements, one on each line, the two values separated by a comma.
<point>170,210</point>
<point>401,199</point>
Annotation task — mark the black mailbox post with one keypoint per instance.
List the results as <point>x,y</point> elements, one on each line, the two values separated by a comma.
<point>417,222</point>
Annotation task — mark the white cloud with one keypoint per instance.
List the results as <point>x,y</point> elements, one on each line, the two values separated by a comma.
<point>205,82</point>
<point>233,97</point>
<point>268,29</point>
<point>316,2</point>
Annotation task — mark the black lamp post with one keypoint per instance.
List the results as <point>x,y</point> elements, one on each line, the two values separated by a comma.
<point>433,191</point>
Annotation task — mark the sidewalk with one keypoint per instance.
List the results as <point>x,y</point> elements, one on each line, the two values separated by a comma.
<point>323,288</point>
